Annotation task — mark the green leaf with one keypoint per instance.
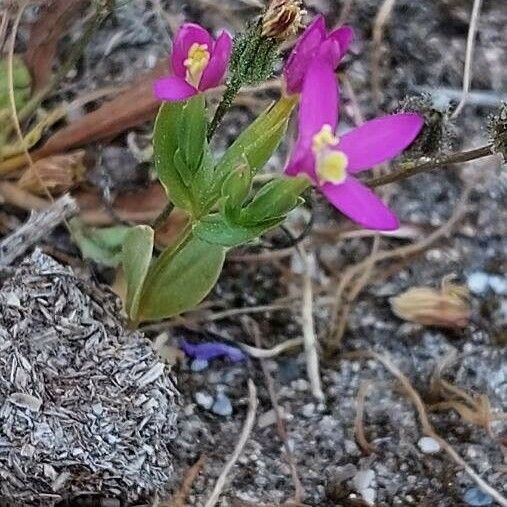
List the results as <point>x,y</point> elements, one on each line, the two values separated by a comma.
<point>192,132</point>
<point>104,246</point>
<point>275,199</point>
<point>165,146</point>
<point>137,252</point>
<point>259,141</point>
<point>181,279</point>
<point>236,188</point>
<point>215,229</point>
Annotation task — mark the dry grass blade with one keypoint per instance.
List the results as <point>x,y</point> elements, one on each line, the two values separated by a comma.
<point>427,427</point>
<point>335,334</point>
<point>53,22</point>
<point>467,73</point>
<point>253,402</point>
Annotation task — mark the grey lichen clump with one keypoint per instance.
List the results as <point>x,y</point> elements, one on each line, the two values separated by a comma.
<point>85,405</point>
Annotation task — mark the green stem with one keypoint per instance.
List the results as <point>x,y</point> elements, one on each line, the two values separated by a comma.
<point>228,97</point>
<point>413,167</point>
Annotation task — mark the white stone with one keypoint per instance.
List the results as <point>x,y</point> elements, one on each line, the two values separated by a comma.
<point>428,445</point>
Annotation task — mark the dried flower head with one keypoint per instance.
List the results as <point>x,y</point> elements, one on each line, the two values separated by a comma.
<point>282,19</point>
<point>445,307</point>
<point>437,135</point>
<point>498,130</point>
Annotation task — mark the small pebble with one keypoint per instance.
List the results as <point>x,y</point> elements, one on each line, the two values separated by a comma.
<point>309,410</point>
<point>363,479</point>
<point>204,400</point>
<point>478,282</point>
<point>476,498</point>
<point>199,365</point>
<point>428,445</point>
<point>222,405</point>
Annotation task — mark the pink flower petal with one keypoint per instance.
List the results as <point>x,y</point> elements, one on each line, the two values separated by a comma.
<point>302,161</point>
<point>344,36</point>
<point>219,61</point>
<point>319,100</point>
<point>188,34</point>
<point>361,205</point>
<point>303,53</point>
<point>379,140</point>
<point>173,89</point>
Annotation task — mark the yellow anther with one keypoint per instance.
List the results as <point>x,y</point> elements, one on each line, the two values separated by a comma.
<point>196,62</point>
<point>332,167</point>
<point>324,139</point>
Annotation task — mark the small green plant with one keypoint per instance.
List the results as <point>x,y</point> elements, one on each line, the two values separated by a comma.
<point>225,209</point>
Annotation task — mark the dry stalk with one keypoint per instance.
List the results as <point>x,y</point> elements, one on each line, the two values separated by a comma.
<point>467,73</point>
<point>238,449</point>
<point>340,317</point>
<point>367,447</point>
<point>381,20</point>
<point>333,339</point>
<point>308,324</point>
<point>426,425</point>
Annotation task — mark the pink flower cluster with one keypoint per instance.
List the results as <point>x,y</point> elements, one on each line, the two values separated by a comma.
<point>331,162</point>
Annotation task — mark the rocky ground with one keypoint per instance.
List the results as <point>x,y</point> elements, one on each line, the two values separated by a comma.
<point>424,52</point>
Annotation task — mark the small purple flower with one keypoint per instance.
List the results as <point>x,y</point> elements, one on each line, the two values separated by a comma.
<point>330,162</point>
<point>198,63</point>
<point>315,43</point>
<point>212,350</point>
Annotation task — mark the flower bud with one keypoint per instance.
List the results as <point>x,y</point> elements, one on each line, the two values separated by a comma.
<point>282,19</point>
<point>445,307</point>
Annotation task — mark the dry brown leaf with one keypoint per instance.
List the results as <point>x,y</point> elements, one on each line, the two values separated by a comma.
<point>133,107</point>
<point>445,307</point>
<point>57,174</point>
<point>53,22</point>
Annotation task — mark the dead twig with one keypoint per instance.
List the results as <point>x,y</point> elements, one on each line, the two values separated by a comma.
<point>37,227</point>
<point>426,425</point>
<point>180,497</point>
<point>238,449</point>
<point>308,324</point>
<point>469,56</point>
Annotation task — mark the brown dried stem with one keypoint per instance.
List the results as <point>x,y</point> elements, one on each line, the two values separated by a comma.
<point>426,425</point>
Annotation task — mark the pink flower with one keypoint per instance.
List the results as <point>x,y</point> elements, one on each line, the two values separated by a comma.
<point>331,162</point>
<point>198,63</point>
<point>315,43</point>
